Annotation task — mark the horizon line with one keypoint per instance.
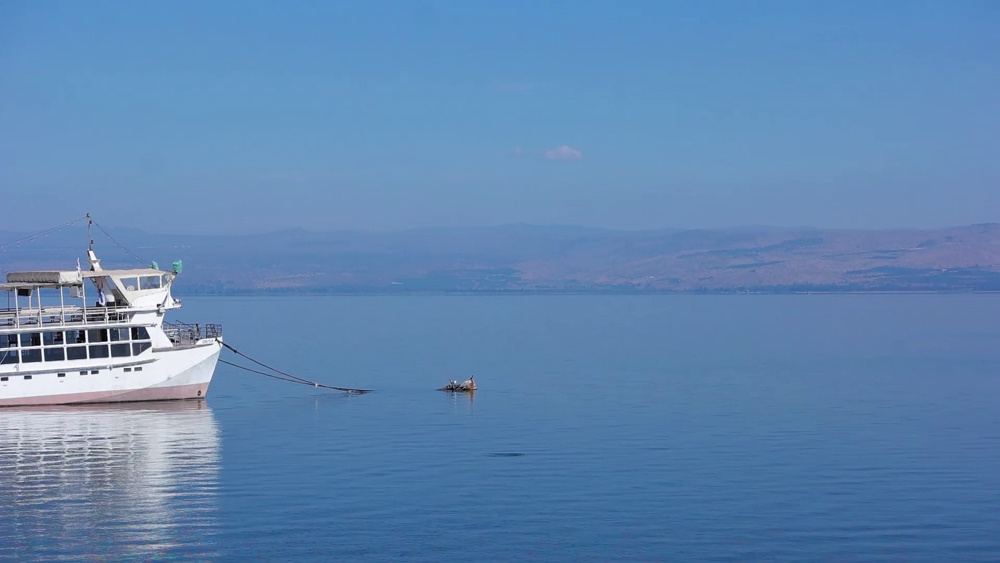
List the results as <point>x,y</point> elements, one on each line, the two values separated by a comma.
<point>665,230</point>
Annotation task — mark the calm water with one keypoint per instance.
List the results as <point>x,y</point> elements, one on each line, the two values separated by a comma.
<point>840,428</point>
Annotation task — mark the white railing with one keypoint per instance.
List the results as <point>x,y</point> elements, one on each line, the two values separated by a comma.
<point>62,317</point>
<point>183,333</point>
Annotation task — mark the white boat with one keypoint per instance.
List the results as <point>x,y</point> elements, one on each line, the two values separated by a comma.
<point>99,336</point>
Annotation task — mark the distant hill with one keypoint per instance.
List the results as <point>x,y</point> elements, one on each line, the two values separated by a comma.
<point>548,259</point>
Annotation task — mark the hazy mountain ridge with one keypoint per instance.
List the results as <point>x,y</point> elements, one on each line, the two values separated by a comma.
<point>531,258</point>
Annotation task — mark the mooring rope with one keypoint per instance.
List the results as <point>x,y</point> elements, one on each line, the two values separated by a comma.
<point>287,376</point>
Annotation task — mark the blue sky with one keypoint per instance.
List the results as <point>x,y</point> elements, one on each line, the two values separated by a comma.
<point>228,117</point>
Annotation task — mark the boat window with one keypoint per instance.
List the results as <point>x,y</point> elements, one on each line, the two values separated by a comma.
<point>99,351</point>
<point>120,350</point>
<point>138,369</point>
<point>84,372</point>
<point>118,334</point>
<point>94,372</point>
<point>8,341</point>
<point>149,282</point>
<point>97,335</point>
<point>52,338</point>
<point>55,354</point>
<point>27,377</point>
<point>140,347</point>
<point>131,284</point>
<point>61,375</point>
<point>3,378</point>
<point>140,333</point>
<point>8,357</point>
<point>127,370</point>
<point>76,353</point>
<point>31,355</point>
<point>31,339</point>
<point>76,336</point>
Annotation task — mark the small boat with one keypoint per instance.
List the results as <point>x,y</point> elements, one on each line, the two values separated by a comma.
<point>467,386</point>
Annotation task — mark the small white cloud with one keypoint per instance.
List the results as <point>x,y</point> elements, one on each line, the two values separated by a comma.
<point>564,152</point>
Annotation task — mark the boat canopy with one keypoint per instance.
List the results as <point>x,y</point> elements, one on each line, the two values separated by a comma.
<point>72,277</point>
<point>124,273</point>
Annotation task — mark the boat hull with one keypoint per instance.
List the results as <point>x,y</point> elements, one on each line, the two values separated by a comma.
<point>167,374</point>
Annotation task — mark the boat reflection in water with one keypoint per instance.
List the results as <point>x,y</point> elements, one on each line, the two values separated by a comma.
<point>123,482</point>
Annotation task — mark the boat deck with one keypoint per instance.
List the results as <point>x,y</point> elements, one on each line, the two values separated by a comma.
<point>65,316</point>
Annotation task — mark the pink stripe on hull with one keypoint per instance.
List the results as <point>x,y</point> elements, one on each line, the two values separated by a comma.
<point>176,392</point>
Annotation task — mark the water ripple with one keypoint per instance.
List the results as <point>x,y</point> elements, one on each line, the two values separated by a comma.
<point>137,481</point>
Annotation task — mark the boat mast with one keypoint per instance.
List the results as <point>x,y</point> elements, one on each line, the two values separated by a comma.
<point>95,264</point>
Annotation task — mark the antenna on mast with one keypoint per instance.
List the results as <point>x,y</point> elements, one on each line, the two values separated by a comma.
<point>90,222</point>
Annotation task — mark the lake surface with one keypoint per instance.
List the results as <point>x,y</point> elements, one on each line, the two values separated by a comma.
<point>715,428</point>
